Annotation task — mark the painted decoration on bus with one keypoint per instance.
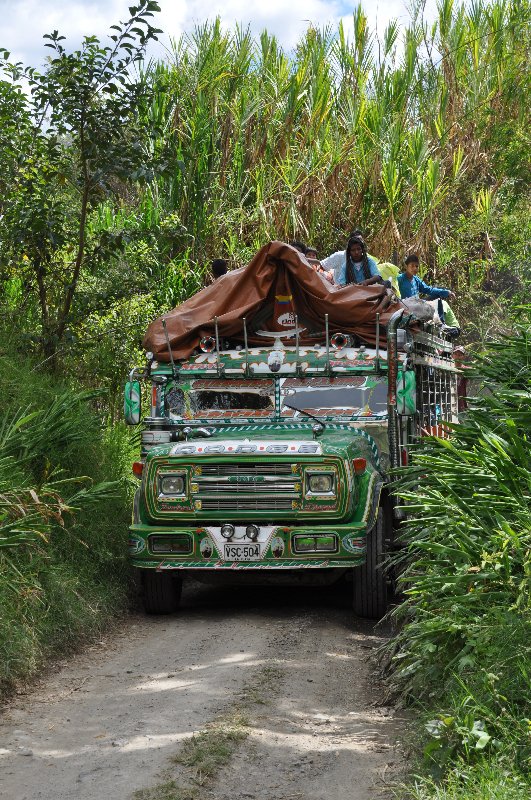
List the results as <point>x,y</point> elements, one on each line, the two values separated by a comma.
<point>406,393</point>
<point>206,548</point>
<point>136,544</point>
<point>132,402</point>
<point>353,543</point>
<point>277,547</point>
<point>256,359</point>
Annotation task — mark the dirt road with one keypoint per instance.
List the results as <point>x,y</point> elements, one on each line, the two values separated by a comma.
<point>276,685</point>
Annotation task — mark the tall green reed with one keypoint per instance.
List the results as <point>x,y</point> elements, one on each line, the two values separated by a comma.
<point>345,130</point>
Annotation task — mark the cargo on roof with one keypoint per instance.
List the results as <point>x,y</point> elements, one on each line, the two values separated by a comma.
<point>277,292</point>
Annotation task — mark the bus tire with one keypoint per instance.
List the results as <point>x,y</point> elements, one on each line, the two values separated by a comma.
<point>370,598</point>
<point>162,592</point>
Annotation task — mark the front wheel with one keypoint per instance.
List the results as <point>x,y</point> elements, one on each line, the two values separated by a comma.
<point>370,598</point>
<point>162,592</point>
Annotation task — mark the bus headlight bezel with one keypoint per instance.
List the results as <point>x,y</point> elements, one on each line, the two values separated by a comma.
<point>320,483</point>
<point>165,487</point>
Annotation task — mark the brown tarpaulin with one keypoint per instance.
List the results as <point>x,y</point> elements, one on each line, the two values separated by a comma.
<point>277,284</point>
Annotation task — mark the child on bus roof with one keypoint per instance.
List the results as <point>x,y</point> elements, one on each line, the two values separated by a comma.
<point>412,286</point>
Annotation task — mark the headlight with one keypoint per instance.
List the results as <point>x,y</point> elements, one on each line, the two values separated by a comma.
<point>322,483</point>
<point>172,485</point>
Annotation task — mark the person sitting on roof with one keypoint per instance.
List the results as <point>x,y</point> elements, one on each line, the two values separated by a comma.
<point>313,259</point>
<point>311,256</point>
<point>300,246</point>
<point>387,270</point>
<point>412,286</point>
<point>220,266</point>
<point>352,265</point>
<point>451,324</point>
<point>446,317</point>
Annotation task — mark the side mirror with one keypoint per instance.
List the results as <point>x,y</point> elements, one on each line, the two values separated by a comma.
<point>406,393</point>
<point>132,403</point>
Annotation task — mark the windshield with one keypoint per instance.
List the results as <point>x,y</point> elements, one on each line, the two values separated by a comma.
<point>202,398</point>
<point>363,396</point>
<point>218,399</point>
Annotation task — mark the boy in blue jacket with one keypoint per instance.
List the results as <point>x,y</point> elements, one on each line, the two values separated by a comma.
<point>411,285</point>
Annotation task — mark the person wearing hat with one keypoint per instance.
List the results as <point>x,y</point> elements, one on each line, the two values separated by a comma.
<point>352,265</point>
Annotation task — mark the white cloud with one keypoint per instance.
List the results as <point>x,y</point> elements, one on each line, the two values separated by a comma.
<point>24,22</point>
<point>286,20</point>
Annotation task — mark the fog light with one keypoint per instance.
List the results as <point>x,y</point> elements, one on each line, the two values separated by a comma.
<point>252,532</point>
<point>317,543</point>
<point>320,483</point>
<point>180,543</point>
<point>227,531</point>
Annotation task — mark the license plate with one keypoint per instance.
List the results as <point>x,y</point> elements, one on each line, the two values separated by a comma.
<point>242,552</point>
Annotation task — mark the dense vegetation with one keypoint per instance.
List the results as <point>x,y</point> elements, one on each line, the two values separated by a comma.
<point>63,517</point>
<point>120,180</point>
<point>463,652</point>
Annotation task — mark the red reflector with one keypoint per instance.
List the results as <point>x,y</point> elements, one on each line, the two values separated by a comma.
<point>404,459</point>
<point>359,465</point>
<point>138,467</point>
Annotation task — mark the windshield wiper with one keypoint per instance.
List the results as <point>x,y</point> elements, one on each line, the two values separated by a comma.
<point>317,431</point>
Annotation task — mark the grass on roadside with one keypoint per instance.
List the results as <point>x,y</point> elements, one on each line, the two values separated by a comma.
<point>64,510</point>
<point>489,780</point>
<point>169,790</point>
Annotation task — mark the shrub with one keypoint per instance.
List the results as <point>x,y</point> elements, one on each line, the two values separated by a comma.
<point>464,649</point>
<point>63,519</point>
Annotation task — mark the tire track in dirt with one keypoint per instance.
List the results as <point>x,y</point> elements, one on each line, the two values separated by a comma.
<point>109,722</point>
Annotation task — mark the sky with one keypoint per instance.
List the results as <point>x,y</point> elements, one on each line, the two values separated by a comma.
<point>24,22</point>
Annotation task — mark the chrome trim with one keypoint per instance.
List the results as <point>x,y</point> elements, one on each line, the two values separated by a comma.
<point>247,504</point>
<point>247,486</point>
<point>262,447</point>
